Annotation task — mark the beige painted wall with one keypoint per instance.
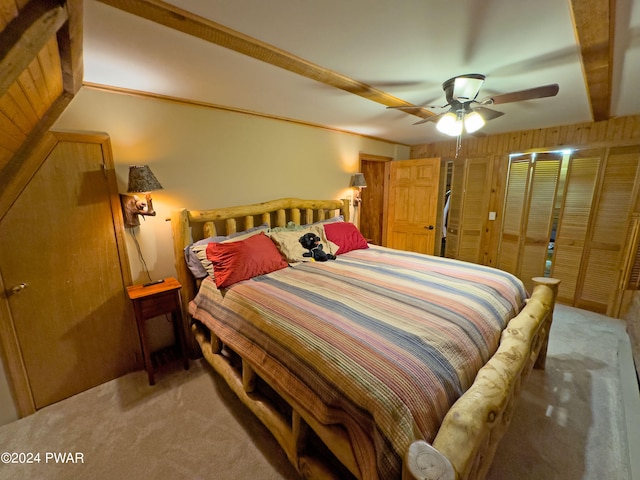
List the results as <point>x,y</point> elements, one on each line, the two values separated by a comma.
<point>206,158</point>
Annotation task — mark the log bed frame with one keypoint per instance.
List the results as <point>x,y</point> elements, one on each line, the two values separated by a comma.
<point>468,437</point>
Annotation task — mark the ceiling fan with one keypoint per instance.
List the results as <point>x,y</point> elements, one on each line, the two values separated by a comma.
<point>468,114</point>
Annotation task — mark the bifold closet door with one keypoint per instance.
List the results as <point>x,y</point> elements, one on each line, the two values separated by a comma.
<point>617,192</point>
<point>468,208</point>
<point>514,214</point>
<point>455,209</point>
<point>545,173</point>
<point>528,215</point>
<point>573,222</point>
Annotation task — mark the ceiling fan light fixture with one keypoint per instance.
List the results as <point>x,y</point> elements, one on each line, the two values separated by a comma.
<point>450,124</point>
<point>466,87</point>
<point>473,121</point>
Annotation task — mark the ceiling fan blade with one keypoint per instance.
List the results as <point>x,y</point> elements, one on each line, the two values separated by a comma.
<point>528,94</point>
<point>415,107</point>
<point>488,114</point>
<point>432,118</point>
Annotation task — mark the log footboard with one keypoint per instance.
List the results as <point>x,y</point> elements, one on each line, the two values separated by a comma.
<point>471,430</point>
<point>469,435</point>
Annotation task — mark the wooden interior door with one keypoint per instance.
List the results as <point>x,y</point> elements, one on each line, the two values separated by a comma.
<point>372,208</point>
<point>61,263</point>
<point>412,204</point>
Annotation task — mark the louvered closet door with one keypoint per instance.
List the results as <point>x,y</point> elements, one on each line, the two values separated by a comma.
<point>539,217</point>
<point>615,201</point>
<point>514,214</point>
<point>571,235</point>
<point>475,207</point>
<point>455,209</point>
<point>629,278</point>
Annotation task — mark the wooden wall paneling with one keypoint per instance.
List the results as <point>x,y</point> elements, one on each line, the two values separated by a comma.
<point>10,135</point>
<point>575,214</point>
<point>28,86</point>
<point>617,194</point>
<point>614,132</point>
<point>23,108</point>
<point>9,108</point>
<point>49,59</point>
<point>25,36</point>
<point>491,239</point>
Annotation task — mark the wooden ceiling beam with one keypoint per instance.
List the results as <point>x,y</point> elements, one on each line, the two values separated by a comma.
<point>594,24</point>
<point>25,36</point>
<point>70,46</point>
<point>200,27</point>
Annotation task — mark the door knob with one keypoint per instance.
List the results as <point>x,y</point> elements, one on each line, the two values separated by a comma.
<point>430,227</point>
<point>18,288</point>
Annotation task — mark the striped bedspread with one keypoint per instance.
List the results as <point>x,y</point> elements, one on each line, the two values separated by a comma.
<point>379,341</point>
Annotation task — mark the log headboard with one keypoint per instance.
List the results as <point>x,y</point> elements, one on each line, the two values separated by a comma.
<point>189,226</point>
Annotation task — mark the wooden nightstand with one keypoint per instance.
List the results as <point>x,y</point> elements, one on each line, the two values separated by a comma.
<point>153,301</point>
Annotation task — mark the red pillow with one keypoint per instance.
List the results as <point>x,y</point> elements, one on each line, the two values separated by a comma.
<point>346,235</point>
<point>245,259</point>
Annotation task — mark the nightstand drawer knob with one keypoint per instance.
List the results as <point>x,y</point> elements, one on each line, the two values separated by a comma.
<point>18,288</point>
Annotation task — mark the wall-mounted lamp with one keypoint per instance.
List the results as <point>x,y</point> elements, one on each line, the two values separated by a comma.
<point>357,183</point>
<point>141,180</point>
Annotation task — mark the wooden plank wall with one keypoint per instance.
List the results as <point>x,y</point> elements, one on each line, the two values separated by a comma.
<point>614,132</point>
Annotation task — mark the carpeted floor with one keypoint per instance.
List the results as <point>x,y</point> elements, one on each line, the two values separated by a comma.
<point>571,422</point>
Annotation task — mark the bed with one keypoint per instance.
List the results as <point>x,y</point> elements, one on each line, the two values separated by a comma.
<point>377,364</point>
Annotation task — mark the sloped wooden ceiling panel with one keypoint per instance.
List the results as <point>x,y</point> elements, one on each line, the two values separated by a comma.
<point>41,65</point>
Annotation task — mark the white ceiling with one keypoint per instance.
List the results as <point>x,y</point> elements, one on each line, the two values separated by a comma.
<point>406,48</point>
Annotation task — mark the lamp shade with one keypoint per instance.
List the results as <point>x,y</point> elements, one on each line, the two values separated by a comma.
<point>141,179</point>
<point>357,180</point>
<point>450,124</point>
<point>473,121</point>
